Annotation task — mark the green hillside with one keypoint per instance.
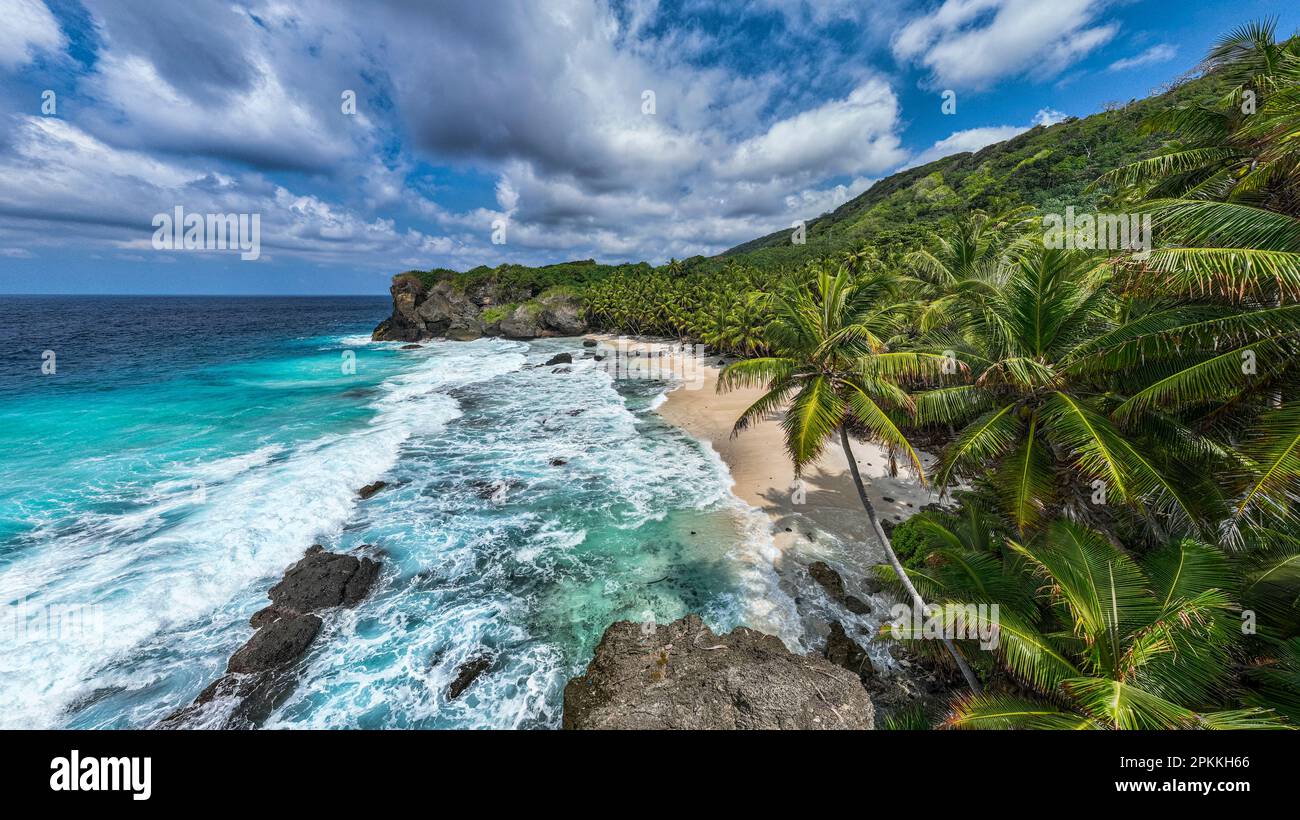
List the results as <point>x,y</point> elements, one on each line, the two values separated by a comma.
<point>1046,167</point>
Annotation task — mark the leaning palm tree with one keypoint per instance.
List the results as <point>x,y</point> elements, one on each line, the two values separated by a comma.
<point>833,373</point>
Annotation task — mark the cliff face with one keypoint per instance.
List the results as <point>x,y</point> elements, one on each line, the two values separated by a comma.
<point>442,311</point>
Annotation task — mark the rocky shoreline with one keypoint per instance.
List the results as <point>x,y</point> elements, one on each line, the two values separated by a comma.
<point>262,673</point>
<point>682,675</point>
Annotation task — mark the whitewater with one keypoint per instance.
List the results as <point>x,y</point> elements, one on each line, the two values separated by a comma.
<point>163,480</point>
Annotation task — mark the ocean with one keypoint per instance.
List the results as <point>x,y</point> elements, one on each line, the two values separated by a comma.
<point>163,460</point>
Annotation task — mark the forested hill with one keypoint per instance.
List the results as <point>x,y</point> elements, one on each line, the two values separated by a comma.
<point>1046,167</point>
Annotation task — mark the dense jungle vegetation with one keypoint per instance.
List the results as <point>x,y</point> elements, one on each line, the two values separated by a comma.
<point>1122,429</point>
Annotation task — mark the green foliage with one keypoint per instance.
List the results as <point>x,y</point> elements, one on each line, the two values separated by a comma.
<point>928,306</point>
<point>914,539</point>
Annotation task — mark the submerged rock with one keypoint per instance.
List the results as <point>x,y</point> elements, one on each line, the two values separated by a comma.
<point>828,578</point>
<point>370,489</point>
<point>683,676</point>
<point>856,605</point>
<point>467,674</point>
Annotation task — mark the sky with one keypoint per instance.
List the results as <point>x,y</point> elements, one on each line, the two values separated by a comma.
<point>372,138</point>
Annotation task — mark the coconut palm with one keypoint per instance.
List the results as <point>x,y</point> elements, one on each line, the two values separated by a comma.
<point>1226,197</point>
<point>1095,639</point>
<point>1034,421</point>
<point>832,373</point>
<point>963,265</point>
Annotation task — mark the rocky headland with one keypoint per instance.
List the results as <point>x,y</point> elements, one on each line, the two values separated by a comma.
<point>444,310</point>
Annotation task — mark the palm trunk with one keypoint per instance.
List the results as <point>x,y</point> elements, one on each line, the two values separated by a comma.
<point>917,601</point>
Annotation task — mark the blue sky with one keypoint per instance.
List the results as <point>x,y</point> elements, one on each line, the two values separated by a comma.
<point>517,112</point>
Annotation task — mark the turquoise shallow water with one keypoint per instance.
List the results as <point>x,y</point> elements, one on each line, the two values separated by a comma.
<point>187,450</point>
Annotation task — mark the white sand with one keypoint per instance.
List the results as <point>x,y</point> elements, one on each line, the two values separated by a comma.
<point>764,476</point>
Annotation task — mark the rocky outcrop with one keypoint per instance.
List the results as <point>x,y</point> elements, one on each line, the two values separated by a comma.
<point>370,489</point>
<point>827,578</point>
<point>683,676</point>
<point>562,314</point>
<point>444,311</point>
<point>524,322</point>
<point>830,580</point>
<point>450,314</point>
<point>260,675</point>
<point>842,650</point>
<point>405,325</point>
<point>467,674</point>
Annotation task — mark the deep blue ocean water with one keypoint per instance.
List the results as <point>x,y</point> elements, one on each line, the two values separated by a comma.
<point>185,450</point>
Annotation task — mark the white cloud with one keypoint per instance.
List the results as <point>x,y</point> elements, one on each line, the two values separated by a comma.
<point>973,43</point>
<point>845,136</point>
<point>246,118</point>
<point>973,139</point>
<point>28,28</point>
<point>108,196</point>
<point>1049,117</point>
<point>1156,54</point>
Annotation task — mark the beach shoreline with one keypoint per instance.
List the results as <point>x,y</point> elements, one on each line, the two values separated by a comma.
<point>763,476</point>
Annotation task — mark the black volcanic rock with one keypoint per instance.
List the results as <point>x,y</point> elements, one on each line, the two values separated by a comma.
<point>467,674</point>
<point>370,489</point>
<point>278,643</point>
<point>828,578</point>
<point>842,650</point>
<point>261,673</point>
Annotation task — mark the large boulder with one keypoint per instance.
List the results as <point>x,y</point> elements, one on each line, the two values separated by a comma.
<point>562,315</point>
<point>524,322</point>
<point>683,676</point>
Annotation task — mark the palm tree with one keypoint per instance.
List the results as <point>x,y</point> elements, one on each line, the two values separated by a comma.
<point>1036,415</point>
<point>1226,196</point>
<point>1097,639</point>
<point>963,265</point>
<point>832,370</point>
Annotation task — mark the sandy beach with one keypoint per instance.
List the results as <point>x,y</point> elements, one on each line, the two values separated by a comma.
<point>764,476</point>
